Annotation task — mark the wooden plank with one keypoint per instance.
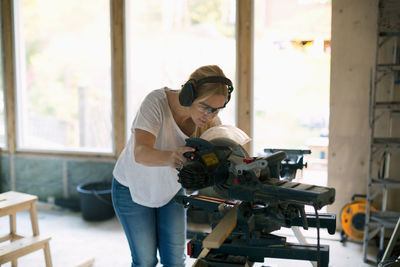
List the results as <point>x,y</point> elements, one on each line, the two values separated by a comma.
<point>244,57</point>
<point>11,237</point>
<point>12,200</point>
<point>87,263</point>
<point>203,254</point>
<point>22,247</point>
<point>14,209</point>
<point>8,71</point>
<point>118,73</point>
<point>222,230</point>
<point>213,200</point>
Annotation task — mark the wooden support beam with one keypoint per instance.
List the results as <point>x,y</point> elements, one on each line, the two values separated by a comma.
<point>9,67</point>
<point>118,73</point>
<point>244,57</point>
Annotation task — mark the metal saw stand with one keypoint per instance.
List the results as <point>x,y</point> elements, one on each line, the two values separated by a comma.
<point>253,253</point>
<point>223,247</point>
<point>302,240</point>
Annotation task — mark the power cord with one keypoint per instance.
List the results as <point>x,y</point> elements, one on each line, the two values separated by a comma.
<point>318,237</point>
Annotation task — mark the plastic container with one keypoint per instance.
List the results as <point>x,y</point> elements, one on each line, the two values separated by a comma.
<point>95,200</point>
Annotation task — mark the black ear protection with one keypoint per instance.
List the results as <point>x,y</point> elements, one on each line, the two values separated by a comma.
<point>188,91</point>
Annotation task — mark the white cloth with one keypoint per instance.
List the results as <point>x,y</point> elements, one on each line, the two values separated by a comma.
<point>151,186</point>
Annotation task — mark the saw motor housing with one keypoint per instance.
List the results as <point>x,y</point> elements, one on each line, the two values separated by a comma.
<point>221,163</point>
<point>259,193</point>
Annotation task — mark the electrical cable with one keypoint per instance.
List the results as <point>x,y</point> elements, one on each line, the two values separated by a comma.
<point>318,237</point>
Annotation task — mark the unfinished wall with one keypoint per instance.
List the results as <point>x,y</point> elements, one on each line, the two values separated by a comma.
<point>388,124</point>
<point>354,25</point>
<point>51,177</point>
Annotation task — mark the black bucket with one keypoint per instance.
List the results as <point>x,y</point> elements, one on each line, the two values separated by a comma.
<point>95,199</point>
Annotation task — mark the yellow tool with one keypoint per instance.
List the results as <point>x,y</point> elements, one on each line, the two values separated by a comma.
<point>352,218</point>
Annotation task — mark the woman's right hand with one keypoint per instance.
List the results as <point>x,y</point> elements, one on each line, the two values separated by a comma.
<point>177,158</point>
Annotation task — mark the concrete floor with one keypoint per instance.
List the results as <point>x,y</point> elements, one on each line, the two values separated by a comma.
<point>75,241</point>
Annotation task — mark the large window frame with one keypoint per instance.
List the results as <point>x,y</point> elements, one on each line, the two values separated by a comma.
<point>2,103</point>
<point>188,42</point>
<point>63,106</point>
<point>244,28</point>
<point>8,72</point>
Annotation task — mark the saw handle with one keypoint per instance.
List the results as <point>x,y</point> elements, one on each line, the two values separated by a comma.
<point>197,144</point>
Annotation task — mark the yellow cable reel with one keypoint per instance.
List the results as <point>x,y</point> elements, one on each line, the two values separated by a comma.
<point>352,217</point>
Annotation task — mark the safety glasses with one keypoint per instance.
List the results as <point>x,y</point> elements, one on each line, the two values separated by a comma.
<point>206,109</point>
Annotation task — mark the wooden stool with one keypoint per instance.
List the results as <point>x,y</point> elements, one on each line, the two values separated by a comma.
<point>10,203</point>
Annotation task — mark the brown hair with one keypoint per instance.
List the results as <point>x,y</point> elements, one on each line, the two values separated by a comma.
<point>206,90</point>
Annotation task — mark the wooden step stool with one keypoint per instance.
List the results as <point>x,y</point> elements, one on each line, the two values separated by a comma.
<point>10,203</point>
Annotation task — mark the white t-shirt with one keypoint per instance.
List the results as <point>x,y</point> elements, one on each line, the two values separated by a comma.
<point>151,186</point>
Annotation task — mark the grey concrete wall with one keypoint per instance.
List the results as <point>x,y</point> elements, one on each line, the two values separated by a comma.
<point>354,26</point>
<point>51,177</point>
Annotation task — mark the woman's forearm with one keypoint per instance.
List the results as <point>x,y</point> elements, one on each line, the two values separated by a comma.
<point>150,156</point>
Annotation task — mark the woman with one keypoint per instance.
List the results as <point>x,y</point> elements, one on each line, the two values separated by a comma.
<point>145,175</point>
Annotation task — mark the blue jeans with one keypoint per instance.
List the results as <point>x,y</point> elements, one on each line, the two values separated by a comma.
<point>148,229</point>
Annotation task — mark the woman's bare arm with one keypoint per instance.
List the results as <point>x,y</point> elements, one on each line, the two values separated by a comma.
<point>146,154</point>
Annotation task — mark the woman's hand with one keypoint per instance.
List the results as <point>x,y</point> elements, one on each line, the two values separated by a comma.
<point>177,158</point>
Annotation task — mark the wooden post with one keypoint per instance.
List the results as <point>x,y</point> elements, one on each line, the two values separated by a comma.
<point>47,256</point>
<point>9,75</point>
<point>118,73</point>
<point>34,219</point>
<point>13,225</point>
<point>244,56</point>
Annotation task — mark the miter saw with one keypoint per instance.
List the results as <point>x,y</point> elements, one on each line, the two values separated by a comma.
<point>253,201</point>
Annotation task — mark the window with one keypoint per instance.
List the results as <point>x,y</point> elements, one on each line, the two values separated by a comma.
<point>291,73</point>
<point>168,40</point>
<point>63,60</point>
